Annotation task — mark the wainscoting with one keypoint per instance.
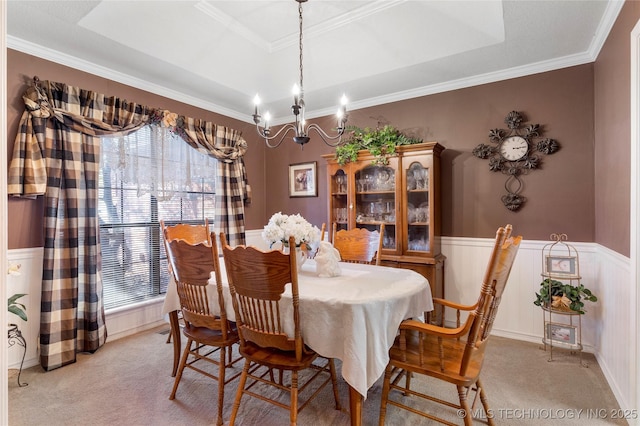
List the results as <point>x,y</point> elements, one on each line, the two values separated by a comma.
<point>608,329</point>
<point>28,282</point>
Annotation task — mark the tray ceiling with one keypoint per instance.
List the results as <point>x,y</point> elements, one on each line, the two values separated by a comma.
<point>218,54</point>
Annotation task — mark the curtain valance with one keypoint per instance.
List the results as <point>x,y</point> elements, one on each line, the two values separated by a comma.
<point>95,114</point>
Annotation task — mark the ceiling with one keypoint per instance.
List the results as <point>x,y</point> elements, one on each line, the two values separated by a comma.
<point>218,54</point>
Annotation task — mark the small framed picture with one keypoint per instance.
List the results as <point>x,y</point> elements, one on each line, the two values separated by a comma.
<point>561,265</point>
<point>303,180</point>
<point>562,333</point>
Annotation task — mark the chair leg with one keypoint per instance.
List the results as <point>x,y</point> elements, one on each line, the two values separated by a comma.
<point>334,382</point>
<point>485,402</point>
<point>183,362</point>
<point>241,383</point>
<point>462,394</point>
<point>221,371</point>
<point>385,394</point>
<point>293,412</point>
<point>407,385</point>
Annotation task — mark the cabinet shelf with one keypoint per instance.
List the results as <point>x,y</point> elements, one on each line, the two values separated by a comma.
<point>391,193</point>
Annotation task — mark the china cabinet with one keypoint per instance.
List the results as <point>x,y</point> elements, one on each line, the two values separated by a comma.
<point>404,194</point>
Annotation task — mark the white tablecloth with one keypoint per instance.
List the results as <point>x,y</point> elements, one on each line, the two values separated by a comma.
<point>353,317</point>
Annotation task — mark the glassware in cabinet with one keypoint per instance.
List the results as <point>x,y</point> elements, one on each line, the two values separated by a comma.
<point>375,200</point>
<point>339,182</point>
<point>417,211</point>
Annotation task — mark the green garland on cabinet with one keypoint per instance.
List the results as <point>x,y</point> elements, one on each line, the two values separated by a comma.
<point>381,143</point>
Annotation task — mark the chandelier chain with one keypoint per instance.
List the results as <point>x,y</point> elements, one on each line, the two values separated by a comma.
<point>300,44</point>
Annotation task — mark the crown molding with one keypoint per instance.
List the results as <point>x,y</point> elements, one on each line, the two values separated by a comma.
<point>108,73</point>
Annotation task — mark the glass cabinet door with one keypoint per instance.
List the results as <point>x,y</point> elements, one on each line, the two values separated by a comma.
<point>375,201</point>
<point>339,200</point>
<point>418,208</point>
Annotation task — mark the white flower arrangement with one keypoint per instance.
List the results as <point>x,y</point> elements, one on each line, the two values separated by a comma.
<point>282,226</point>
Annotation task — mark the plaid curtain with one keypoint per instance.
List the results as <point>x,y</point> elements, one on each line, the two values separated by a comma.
<point>228,146</point>
<point>56,154</point>
<point>65,123</point>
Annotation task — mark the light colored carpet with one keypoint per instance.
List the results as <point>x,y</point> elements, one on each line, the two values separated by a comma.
<point>128,382</point>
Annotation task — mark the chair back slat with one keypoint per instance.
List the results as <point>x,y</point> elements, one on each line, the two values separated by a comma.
<point>257,280</point>
<point>498,269</point>
<point>358,245</point>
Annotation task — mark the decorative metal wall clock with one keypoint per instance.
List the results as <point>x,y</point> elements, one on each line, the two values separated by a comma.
<point>515,152</point>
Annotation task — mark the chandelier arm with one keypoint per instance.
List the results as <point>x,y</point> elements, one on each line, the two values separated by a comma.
<point>284,130</point>
<point>325,137</point>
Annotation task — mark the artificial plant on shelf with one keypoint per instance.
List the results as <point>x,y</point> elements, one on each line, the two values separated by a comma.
<point>13,306</point>
<point>381,143</point>
<point>563,296</point>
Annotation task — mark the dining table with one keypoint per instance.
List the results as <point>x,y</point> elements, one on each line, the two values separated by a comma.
<point>353,317</point>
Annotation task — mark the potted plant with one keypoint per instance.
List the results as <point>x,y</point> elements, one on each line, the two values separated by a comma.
<point>17,308</point>
<point>560,296</point>
<point>381,143</point>
<point>13,305</point>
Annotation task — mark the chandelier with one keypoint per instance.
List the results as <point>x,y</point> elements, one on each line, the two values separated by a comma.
<point>300,127</point>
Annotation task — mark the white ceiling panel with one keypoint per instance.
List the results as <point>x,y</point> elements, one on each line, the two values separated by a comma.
<point>218,54</point>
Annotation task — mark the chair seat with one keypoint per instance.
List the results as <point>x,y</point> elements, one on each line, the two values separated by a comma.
<point>274,358</point>
<point>452,352</point>
<point>210,337</point>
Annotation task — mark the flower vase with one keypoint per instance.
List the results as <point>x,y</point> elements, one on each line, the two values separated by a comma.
<point>301,256</point>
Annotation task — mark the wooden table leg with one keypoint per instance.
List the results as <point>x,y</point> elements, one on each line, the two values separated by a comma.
<point>175,332</point>
<point>355,406</point>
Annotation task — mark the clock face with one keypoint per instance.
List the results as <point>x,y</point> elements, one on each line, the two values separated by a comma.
<point>514,148</point>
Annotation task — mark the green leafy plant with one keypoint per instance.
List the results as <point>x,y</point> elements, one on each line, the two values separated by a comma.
<point>17,308</point>
<point>381,143</point>
<point>563,293</point>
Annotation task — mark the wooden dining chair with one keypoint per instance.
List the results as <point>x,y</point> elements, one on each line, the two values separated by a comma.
<point>454,355</point>
<point>192,234</point>
<point>359,245</point>
<point>257,281</point>
<point>207,329</point>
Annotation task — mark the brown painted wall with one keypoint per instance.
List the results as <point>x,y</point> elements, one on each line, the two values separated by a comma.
<point>26,216</point>
<point>612,82</point>
<point>560,194</point>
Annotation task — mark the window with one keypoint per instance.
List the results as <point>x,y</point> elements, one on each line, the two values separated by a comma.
<point>145,177</point>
